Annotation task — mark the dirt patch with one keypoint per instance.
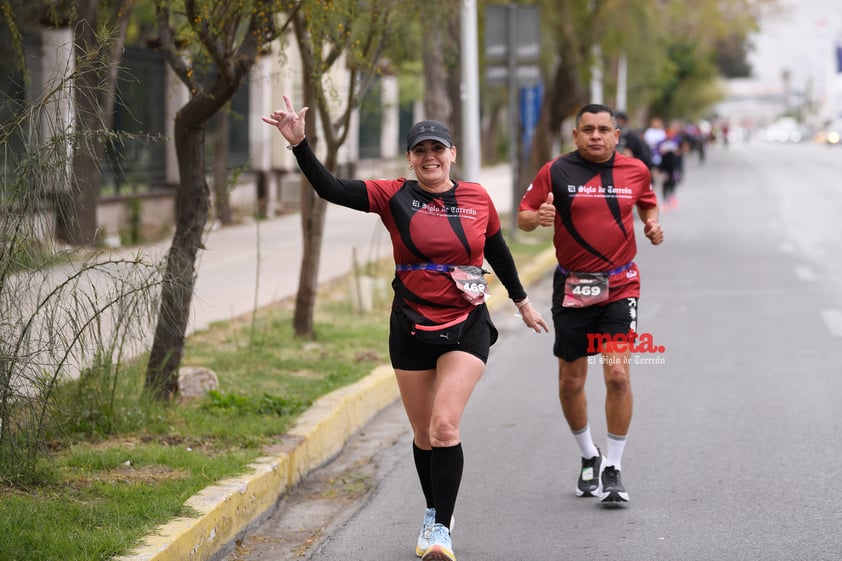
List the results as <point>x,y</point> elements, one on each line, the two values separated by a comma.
<point>127,474</point>
<point>325,499</point>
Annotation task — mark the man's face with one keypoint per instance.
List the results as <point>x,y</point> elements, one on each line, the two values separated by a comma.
<point>596,136</point>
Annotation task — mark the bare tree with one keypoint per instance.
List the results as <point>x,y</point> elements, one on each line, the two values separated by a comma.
<point>442,68</point>
<point>224,40</point>
<point>359,33</point>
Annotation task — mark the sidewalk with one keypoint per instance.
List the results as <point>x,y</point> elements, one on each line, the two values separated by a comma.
<point>226,284</point>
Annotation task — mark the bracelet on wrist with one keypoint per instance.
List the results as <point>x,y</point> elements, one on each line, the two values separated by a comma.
<point>522,303</point>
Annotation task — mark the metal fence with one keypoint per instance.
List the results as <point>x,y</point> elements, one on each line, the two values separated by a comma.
<point>136,160</point>
<point>138,163</point>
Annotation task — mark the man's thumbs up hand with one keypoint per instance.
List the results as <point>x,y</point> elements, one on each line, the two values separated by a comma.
<point>546,212</point>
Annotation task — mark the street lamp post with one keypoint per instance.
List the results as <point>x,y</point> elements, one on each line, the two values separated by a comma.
<point>470,149</point>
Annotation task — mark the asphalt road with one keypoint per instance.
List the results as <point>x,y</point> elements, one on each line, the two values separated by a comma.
<point>733,451</point>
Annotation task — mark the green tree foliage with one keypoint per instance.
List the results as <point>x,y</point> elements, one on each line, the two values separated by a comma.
<point>697,38</point>
<point>676,53</point>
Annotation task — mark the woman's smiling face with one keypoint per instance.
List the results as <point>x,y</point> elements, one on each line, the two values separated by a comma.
<point>431,161</point>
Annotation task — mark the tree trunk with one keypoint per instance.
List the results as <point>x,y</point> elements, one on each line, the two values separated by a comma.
<point>436,105</point>
<point>222,198</point>
<point>94,100</point>
<point>491,134</point>
<point>454,119</point>
<point>192,207</point>
<point>313,210</point>
<point>335,132</point>
<point>192,203</point>
<point>452,80</point>
<point>76,222</point>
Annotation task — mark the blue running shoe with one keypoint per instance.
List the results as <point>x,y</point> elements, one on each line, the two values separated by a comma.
<point>440,548</point>
<point>426,531</point>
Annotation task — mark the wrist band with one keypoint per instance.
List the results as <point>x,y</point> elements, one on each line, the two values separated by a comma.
<point>522,303</point>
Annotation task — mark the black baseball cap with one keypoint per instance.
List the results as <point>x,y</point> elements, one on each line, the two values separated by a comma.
<point>428,130</point>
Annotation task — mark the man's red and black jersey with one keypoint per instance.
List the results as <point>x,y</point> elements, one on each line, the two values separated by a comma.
<point>594,223</point>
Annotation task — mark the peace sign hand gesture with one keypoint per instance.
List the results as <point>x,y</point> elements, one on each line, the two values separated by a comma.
<point>290,123</point>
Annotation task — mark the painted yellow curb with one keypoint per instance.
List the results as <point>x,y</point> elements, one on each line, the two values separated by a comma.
<point>228,508</point>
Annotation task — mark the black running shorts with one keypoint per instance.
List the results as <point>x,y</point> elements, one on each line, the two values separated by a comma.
<point>407,353</point>
<point>578,330</point>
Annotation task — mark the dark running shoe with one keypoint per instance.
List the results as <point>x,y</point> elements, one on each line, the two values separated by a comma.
<point>613,493</point>
<point>588,483</point>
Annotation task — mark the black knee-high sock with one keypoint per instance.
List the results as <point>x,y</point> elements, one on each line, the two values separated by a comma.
<point>422,466</point>
<point>446,469</point>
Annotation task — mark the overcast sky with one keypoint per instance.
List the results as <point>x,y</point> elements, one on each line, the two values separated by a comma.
<point>800,39</point>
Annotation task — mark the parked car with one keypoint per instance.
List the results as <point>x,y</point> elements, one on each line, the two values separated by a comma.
<point>785,129</point>
<point>832,133</point>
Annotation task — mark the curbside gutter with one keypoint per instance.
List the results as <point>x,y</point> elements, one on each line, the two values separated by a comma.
<point>230,508</point>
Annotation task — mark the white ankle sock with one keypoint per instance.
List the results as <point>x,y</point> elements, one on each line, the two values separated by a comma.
<point>614,450</point>
<point>585,442</point>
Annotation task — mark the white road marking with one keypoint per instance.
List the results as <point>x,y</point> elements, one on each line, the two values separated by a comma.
<point>833,319</point>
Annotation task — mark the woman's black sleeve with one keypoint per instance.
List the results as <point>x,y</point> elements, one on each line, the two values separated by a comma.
<point>351,193</point>
<point>500,258</point>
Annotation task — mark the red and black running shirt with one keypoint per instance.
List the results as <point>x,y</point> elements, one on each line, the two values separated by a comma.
<point>594,222</point>
<point>458,227</point>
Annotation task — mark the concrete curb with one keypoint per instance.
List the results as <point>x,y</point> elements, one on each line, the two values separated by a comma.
<point>229,508</point>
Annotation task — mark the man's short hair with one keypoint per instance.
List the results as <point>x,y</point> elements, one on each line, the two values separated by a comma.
<point>596,108</point>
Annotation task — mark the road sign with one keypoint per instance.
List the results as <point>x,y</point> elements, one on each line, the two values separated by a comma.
<point>530,110</point>
<point>512,28</point>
